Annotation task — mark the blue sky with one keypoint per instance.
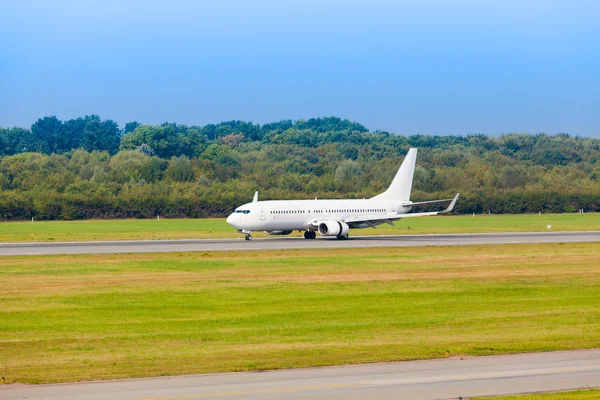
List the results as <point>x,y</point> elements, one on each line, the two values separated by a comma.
<point>432,67</point>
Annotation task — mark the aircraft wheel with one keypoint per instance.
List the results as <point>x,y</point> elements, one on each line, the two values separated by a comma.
<point>313,235</point>
<point>248,237</point>
<point>307,235</point>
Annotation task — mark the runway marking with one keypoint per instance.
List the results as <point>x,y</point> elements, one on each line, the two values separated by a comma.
<point>432,379</point>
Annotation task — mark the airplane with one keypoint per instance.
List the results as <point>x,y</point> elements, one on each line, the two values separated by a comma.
<point>334,217</point>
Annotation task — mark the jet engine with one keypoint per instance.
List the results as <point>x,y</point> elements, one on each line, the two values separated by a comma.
<point>278,232</point>
<point>333,228</point>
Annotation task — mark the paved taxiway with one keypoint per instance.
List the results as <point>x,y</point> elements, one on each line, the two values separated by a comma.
<point>432,379</point>
<point>284,243</point>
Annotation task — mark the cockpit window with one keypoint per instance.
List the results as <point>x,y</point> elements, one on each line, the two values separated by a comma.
<point>241,211</point>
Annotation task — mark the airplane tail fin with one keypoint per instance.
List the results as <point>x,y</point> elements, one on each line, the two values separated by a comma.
<point>402,183</point>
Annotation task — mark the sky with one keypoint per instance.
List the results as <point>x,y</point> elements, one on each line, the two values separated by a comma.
<point>409,67</point>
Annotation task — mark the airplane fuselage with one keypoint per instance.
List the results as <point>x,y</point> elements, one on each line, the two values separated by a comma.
<point>288,215</point>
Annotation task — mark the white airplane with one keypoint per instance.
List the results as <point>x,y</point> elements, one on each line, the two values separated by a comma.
<point>333,217</point>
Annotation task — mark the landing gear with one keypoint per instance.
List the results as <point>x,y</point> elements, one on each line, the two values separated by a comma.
<point>248,237</point>
<point>342,237</point>
<point>310,235</point>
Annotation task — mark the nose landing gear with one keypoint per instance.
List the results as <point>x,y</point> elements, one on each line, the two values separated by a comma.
<point>248,237</point>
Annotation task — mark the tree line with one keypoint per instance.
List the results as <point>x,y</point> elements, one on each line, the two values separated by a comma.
<point>90,168</point>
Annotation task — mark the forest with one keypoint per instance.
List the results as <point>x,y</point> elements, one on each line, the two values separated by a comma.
<point>91,168</point>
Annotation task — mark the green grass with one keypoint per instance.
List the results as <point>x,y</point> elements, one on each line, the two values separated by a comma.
<point>591,394</point>
<point>218,228</point>
<point>70,318</point>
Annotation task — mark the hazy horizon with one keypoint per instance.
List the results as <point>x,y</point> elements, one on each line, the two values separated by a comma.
<point>435,67</point>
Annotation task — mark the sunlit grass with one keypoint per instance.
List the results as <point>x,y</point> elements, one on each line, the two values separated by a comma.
<point>591,394</point>
<point>218,228</point>
<point>69,318</point>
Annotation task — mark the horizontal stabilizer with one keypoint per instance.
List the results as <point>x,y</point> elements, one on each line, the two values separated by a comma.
<point>429,214</point>
<point>428,202</point>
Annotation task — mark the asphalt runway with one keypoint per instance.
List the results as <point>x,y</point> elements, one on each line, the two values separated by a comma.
<point>415,380</point>
<point>285,243</point>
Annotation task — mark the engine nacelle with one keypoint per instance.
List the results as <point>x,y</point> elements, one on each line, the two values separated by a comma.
<point>333,228</point>
<point>278,232</point>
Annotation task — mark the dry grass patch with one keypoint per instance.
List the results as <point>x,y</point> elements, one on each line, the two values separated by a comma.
<point>589,394</point>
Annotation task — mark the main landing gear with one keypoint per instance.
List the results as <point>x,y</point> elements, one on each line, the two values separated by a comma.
<point>310,235</point>
<point>248,237</point>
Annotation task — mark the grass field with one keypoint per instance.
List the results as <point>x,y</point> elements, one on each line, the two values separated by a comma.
<point>218,228</point>
<point>591,394</point>
<point>70,318</point>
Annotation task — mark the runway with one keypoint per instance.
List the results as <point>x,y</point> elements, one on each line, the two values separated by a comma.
<point>286,243</point>
<point>415,380</point>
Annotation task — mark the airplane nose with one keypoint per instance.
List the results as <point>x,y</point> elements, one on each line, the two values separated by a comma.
<point>230,220</point>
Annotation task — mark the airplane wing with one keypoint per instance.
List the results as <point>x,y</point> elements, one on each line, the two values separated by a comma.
<point>375,220</point>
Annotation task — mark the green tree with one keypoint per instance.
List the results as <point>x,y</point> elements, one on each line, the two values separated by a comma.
<point>348,173</point>
<point>180,169</point>
<point>162,139</point>
<point>100,135</point>
<point>128,165</point>
<point>131,126</point>
<point>48,136</point>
